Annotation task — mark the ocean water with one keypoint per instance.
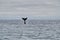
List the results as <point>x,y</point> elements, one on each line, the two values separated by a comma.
<point>33,30</point>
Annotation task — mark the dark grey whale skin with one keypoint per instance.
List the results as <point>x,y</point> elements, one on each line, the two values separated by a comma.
<point>24,20</point>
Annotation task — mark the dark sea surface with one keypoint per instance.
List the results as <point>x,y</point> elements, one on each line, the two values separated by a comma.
<point>32,30</point>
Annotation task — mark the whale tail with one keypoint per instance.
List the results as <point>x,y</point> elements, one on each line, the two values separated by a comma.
<point>24,20</point>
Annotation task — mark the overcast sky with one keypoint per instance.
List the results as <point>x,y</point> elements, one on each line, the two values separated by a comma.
<point>30,8</point>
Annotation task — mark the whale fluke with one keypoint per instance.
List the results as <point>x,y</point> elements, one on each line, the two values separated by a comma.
<point>24,19</point>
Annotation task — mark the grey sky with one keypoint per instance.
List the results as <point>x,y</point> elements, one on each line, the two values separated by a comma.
<point>30,8</point>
